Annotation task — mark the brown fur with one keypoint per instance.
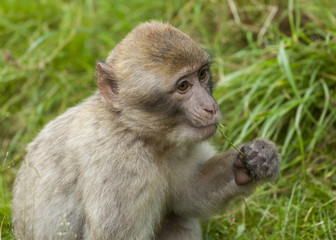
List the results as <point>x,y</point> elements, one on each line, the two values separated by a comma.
<point>131,162</point>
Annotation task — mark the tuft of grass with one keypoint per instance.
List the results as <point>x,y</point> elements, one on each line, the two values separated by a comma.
<point>274,62</point>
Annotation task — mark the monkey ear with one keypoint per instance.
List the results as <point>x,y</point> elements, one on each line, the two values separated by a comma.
<point>107,84</point>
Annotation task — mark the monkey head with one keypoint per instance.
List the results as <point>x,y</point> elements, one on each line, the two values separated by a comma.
<point>159,83</point>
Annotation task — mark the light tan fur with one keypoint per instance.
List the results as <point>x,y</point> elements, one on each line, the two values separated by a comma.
<point>132,161</point>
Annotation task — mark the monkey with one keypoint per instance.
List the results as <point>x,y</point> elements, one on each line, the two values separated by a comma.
<point>133,161</point>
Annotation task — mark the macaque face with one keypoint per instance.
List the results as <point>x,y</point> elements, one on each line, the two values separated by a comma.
<point>179,106</point>
<point>200,112</point>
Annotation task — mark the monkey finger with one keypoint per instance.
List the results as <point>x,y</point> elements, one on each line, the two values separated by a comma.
<point>252,155</point>
<point>242,177</point>
<point>239,163</point>
<point>245,149</point>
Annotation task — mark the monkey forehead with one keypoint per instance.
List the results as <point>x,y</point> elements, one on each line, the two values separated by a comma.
<point>160,48</point>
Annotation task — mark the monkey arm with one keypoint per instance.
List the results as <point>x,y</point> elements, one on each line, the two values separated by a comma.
<point>212,187</point>
<point>227,175</point>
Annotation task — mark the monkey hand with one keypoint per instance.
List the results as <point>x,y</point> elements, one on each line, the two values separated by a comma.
<point>260,161</point>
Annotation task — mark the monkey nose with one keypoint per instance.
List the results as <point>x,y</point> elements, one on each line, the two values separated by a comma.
<point>212,113</point>
<point>209,111</point>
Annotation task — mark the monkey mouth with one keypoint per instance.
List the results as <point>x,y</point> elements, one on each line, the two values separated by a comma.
<point>206,126</point>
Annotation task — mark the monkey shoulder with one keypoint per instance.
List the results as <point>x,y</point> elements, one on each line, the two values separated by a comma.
<point>55,143</point>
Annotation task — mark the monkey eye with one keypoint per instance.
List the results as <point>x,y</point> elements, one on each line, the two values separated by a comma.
<point>183,86</point>
<point>203,74</point>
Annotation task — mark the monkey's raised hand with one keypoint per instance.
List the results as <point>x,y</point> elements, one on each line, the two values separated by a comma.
<point>261,162</point>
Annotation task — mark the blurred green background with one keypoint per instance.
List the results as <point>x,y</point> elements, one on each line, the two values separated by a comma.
<point>274,63</point>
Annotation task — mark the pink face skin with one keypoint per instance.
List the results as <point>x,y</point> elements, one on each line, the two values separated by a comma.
<point>201,110</point>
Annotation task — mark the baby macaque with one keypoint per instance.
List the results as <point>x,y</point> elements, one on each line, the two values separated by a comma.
<point>132,161</point>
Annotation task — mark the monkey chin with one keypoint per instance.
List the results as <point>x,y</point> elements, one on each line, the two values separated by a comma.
<point>206,132</point>
<point>189,133</point>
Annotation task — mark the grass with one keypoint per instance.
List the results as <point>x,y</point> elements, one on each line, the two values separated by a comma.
<point>274,62</point>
